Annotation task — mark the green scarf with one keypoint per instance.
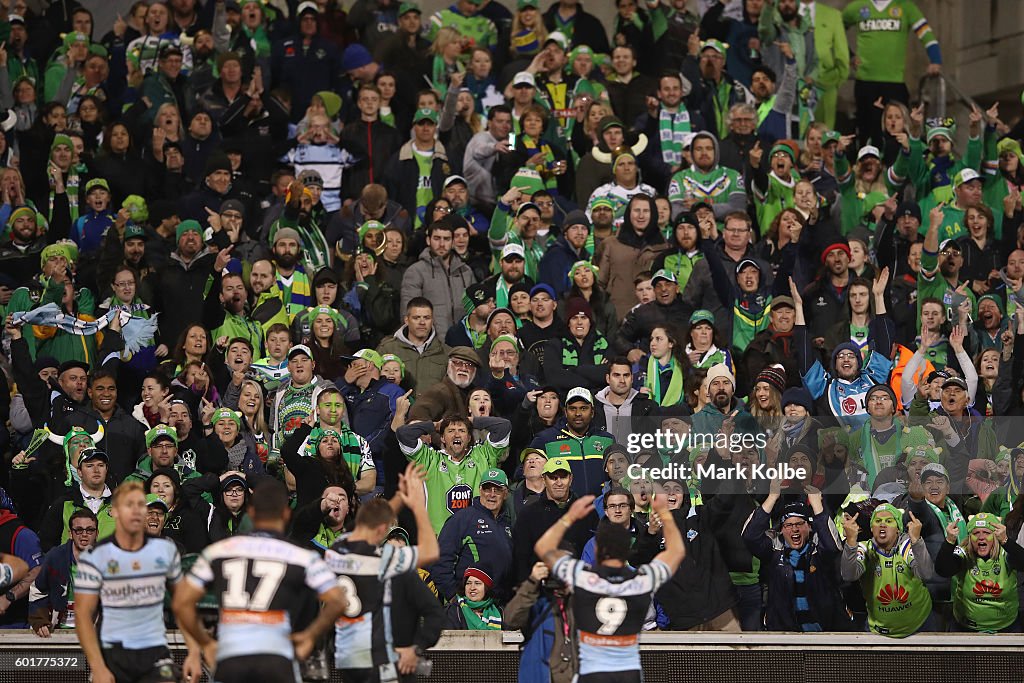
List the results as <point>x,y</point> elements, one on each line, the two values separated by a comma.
<point>533,147</point>
<point>672,128</point>
<point>955,516</point>
<point>673,395</point>
<point>571,355</point>
<point>71,189</point>
<point>490,620</point>
<point>259,39</point>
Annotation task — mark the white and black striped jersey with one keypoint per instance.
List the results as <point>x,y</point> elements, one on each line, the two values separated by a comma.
<point>131,586</point>
<point>610,606</point>
<point>258,579</point>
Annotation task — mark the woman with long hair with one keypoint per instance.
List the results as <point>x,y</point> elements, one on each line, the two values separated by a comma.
<point>193,344</point>
<point>765,402</point>
<point>319,464</point>
<point>860,263</point>
<point>185,525</point>
<point>785,228</point>
<point>979,248</point>
<point>248,399</point>
<point>155,404</point>
<point>118,161</point>
<point>447,49</point>
<point>528,33</point>
<point>664,370</point>
<point>325,341</point>
<point>984,567</point>
<point>586,134</point>
<point>987,364</point>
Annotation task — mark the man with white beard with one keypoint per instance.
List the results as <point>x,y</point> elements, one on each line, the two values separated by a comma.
<point>451,395</point>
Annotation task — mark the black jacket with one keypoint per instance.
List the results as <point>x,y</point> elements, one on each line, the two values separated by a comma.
<point>635,330</point>
<point>179,294</point>
<point>534,519</point>
<point>819,565</point>
<point>701,589</point>
<point>587,29</point>
<point>373,144</point>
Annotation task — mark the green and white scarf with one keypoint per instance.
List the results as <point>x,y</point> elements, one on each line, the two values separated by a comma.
<point>955,516</point>
<point>673,394</point>
<point>672,129</point>
<point>488,620</point>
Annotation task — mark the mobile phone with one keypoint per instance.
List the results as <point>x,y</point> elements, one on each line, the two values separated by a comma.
<point>511,140</point>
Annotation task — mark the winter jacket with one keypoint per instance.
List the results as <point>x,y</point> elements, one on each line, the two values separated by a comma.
<point>439,400</point>
<point>586,29</point>
<point>622,420</point>
<point>179,289</point>
<point>822,592</point>
<point>473,537</point>
<point>444,287</point>
<point>53,530</point>
<point>546,654</point>
<point>534,519</point>
<point>370,410</point>
<point>585,455</point>
<point>401,176</point>
<point>424,367</point>
<point>305,69</point>
<point>556,262</point>
<point>622,257</point>
<point>373,143</point>
<point>49,593</point>
<point>700,590</point>
<point>568,363</point>
<point>635,330</point>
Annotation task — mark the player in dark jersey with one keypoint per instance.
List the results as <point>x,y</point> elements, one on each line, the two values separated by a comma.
<point>363,651</point>
<point>259,579</point>
<point>610,600</point>
<point>128,573</point>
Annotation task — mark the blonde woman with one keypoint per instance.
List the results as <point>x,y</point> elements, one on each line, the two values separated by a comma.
<point>447,50</point>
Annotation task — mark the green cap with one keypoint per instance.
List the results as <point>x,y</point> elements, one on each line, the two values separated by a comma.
<point>407,7</point>
<point>528,180</point>
<point>716,45</point>
<point>582,264</point>
<point>370,226</point>
<point>1011,145</point>
<point>187,226</point>
<point>892,510</point>
<point>226,414</point>
<point>332,102</point>
<point>929,453</point>
<point>936,131</point>
<point>96,182</point>
<point>425,114</point>
<point>133,231</point>
<point>782,147</point>
<point>664,274</point>
<point>506,338</point>
<point>495,476</point>
<point>370,355</point>
<point>155,501</point>
<point>61,139</point>
<point>389,357</point>
<point>523,4</point>
<point>702,315</point>
<point>602,201</point>
<point>65,248</point>
<point>830,136</point>
<point>982,520</point>
<point>556,465</point>
<point>161,431</point>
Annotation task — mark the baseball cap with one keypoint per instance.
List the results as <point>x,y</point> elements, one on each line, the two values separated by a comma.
<point>527,452</point>
<point>796,509</point>
<point>965,175</point>
<point>93,454</point>
<point>100,183</point>
<point>495,476</point>
<point>664,274</point>
<point>909,208</point>
<point>425,114</point>
<point>370,355</point>
<point>299,348</point>
<point>133,231</point>
<point>513,250</point>
<point>956,382</point>
<point>545,288</point>
<point>229,479</point>
<point>702,315</point>
<point>524,78</point>
<point>556,465</point>
<point>946,243</point>
<point>743,264</point>
<point>161,431</point>
<point>579,393</point>
<point>716,45</point>
<point>307,6</point>
<point>934,468</point>
<point>452,180</point>
<point>868,151</point>
<point>407,7</point>
<point>783,302</point>
<point>559,39</point>
<point>155,501</point>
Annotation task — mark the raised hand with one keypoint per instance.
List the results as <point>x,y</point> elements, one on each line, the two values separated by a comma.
<point>914,529</point>
<point>756,154</point>
<point>880,283</point>
<point>956,338</point>
<point>850,529</point>
<point>952,533</point>
<point>582,507</point>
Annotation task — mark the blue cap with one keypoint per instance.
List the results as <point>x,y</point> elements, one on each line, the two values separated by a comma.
<point>543,287</point>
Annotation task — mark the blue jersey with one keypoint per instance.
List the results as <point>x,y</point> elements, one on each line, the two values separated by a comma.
<point>258,579</point>
<point>846,398</point>
<point>362,636</point>
<point>610,606</point>
<point>131,586</point>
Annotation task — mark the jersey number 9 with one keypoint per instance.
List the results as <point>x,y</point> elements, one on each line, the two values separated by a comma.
<point>611,612</point>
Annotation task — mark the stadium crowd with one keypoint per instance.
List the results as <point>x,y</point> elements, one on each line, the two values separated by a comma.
<point>268,238</point>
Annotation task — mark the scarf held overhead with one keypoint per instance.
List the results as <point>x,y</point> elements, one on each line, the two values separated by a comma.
<point>136,331</point>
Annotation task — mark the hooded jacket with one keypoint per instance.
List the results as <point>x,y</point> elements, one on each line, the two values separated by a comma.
<point>443,287</point>
<point>585,455</point>
<point>556,262</point>
<point>606,415</point>
<point>626,254</point>
<point>568,363</point>
<point>719,186</point>
<point>401,176</point>
<point>179,288</point>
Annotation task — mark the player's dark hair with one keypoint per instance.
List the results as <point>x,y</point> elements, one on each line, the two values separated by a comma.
<point>613,541</point>
<point>269,499</point>
<point>378,511</point>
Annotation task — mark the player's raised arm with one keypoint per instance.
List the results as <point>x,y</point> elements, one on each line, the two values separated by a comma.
<point>414,497</point>
<point>547,545</point>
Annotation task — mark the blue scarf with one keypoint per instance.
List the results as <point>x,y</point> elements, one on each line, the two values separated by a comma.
<point>136,331</point>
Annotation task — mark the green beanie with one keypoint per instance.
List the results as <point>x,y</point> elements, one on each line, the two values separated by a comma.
<point>186,226</point>
<point>226,414</point>
<point>388,357</point>
<point>892,510</point>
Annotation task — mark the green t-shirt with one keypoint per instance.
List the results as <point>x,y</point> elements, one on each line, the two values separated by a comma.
<point>898,602</point>
<point>451,484</point>
<point>882,37</point>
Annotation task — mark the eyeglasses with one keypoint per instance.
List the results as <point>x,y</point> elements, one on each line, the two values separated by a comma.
<point>545,205</point>
<point>461,364</point>
<point>83,530</point>
<point>124,283</point>
<point>737,230</point>
<point>234,493</point>
<point>442,209</point>
<point>789,526</point>
<point>880,398</point>
<point>844,355</point>
<point>619,506</point>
